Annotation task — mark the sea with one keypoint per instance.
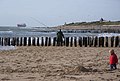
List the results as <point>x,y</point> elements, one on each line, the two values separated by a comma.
<point>9,31</point>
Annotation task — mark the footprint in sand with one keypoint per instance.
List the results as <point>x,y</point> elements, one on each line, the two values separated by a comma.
<point>30,78</point>
<point>6,78</point>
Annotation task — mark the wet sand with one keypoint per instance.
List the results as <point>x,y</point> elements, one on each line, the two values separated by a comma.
<point>57,64</point>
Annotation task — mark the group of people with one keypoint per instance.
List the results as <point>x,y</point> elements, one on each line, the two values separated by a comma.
<point>113,60</point>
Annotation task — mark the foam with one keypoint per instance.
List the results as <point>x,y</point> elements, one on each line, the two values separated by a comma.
<point>7,47</point>
<point>108,34</point>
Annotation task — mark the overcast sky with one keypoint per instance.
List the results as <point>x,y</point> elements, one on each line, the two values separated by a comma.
<point>56,12</point>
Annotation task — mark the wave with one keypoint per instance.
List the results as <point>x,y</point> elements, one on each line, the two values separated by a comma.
<point>10,32</point>
<point>108,34</point>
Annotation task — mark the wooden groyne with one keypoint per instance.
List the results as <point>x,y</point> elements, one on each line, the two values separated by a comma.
<point>68,41</point>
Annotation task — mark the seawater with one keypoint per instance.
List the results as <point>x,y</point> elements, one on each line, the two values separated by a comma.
<point>42,32</point>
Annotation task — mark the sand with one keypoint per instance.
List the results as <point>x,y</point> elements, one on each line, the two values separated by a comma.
<point>57,64</point>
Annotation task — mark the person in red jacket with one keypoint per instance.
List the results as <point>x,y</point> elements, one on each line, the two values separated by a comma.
<point>113,60</point>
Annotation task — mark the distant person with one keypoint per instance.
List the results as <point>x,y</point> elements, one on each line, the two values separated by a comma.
<point>60,37</point>
<point>113,60</point>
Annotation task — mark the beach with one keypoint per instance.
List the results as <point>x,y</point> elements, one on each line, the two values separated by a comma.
<point>36,63</point>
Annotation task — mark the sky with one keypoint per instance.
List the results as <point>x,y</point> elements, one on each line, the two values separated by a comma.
<point>56,12</point>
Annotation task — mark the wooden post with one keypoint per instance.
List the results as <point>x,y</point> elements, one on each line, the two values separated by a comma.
<point>42,41</point>
<point>85,41</point>
<point>101,41</point>
<point>80,41</point>
<point>49,42</point>
<point>117,41</point>
<point>8,41</point>
<point>33,41</point>
<point>75,41</point>
<point>90,41</point>
<point>71,41</point>
<point>67,41</point>
<point>46,41</point>
<point>38,44</point>
<point>17,41</point>
<point>5,41</point>
<point>95,41</point>
<point>112,41</point>
<point>54,41</point>
<point>29,41</point>
<point>64,42</point>
<point>21,41</point>
<point>13,42</point>
<point>2,42</point>
<point>106,44</point>
<point>25,41</point>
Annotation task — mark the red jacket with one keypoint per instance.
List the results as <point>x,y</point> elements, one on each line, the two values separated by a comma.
<point>113,59</point>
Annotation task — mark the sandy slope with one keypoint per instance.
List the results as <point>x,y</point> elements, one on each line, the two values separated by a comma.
<point>57,64</point>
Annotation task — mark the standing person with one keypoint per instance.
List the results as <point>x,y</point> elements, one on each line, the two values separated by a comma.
<point>113,60</point>
<point>60,37</point>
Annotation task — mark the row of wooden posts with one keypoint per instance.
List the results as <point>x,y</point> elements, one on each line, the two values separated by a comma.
<point>68,41</point>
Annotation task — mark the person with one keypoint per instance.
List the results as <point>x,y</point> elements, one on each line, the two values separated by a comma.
<point>60,37</point>
<point>113,60</point>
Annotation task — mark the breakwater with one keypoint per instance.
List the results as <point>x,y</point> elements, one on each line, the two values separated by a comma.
<point>89,41</point>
